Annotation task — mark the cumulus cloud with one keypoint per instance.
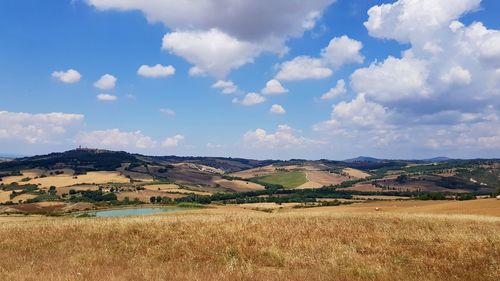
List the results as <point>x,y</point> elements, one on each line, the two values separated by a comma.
<point>340,51</point>
<point>464,74</point>
<point>457,75</point>
<point>206,31</point>
<point>69,76</point>
<point>237,18</point>
<point>227,87</point>
<point>357,113</point>
<point>38,128</point>
<point>284,137</point>
<point>250,99</point>
<point>277,109</point>
<point>106,82</point>
<point>115,139</point>
<point>212,51</point>
<point>156,71</point>
<point>302,68</point>
<point>106,97</point>
<point>411,20</point>
<point>274,87</point>
<point>336,91</point>
<point>392,79</point>
<point>173,141</point>
<point>441,94</point>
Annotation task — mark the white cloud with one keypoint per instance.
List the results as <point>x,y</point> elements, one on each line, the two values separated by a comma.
<point>115,139</point>
<point>440,95</point>
<point>414,20</point>
<point>274,87</point>
<point>106,97</point>
<point>156,71</point>
<point>355,114</point>
<point>219,36</point>
<point>457,75</point>
<point>302,68</point>
<point>106,82</point>
<point>250,99</point>
<point>167,111</point>
<point>173,141</point>
<point>37,128</point>
<point>428,78</point>
<point>284,137</point>
<point>69,76</point>
<point>237,18</point>
<point>342,50</point>
<point>277,109</point>
<point>212,51</point>
<point>227,87</point>
<point>335,92</point>
<point>392,79</point>
<point>196,71</point>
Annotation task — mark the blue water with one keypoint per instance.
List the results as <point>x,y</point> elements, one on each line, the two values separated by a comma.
<point>135,212</point>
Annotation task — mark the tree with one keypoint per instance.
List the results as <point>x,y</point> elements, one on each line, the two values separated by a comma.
<point>152,199</point>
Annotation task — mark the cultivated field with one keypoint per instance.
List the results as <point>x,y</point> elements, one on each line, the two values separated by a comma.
<point>145,195</point>
<point>173,188</point>
<point>66,189</point>
<point>317,179</point>
<point>286,179</point>
<point>355,173</point>
<point>239,185</point>
<point>216,244</point>
<point>65,179</point>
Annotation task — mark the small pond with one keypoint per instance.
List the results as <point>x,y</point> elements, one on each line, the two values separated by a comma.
<point>134,212</point>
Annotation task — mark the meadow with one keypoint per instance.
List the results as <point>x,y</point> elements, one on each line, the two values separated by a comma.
<point>286,179</point>
<point>231,243</point>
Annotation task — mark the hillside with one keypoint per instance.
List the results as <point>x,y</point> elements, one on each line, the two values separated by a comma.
<point>117,177</point>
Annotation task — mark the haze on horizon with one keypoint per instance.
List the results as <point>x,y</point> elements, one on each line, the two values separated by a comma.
<point>319,79</point>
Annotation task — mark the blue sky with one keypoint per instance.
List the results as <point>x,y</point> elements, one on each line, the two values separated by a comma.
<point>420,78</point>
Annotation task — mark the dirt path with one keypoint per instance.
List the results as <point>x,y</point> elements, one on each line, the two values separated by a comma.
<point>309,183</point>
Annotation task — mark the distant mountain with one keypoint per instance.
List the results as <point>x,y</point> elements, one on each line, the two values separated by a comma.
<point>437,159</point>
<point>364,159</point>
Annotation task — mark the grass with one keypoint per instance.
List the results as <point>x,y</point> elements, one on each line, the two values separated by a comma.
<point>287,179</point>
<point>215,245</point>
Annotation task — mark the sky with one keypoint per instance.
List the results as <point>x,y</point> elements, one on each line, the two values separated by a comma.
<point>317,79</point>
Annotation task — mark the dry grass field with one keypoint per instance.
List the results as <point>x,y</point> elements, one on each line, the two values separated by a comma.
<point>23,197</point>
<point>90,178</point>
<point>318,179</point>
<point>215,244</point>
<point>239,185</point>
<point>483,207</point>
<point>364,187</point>
<point>145,195</point>
<point>355,173</point>
<point>4,196</point>
<point>172,188</point>
<point>66,189</point>
<point>66,179</point>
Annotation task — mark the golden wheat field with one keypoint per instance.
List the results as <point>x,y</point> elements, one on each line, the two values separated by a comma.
<point>237,244</point>
<point>355,173</point>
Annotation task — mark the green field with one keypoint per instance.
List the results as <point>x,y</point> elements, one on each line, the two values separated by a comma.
<point>286,179</point>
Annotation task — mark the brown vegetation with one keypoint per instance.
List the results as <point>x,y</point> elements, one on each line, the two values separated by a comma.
<point>239,185</point>
<point>216,245</point>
